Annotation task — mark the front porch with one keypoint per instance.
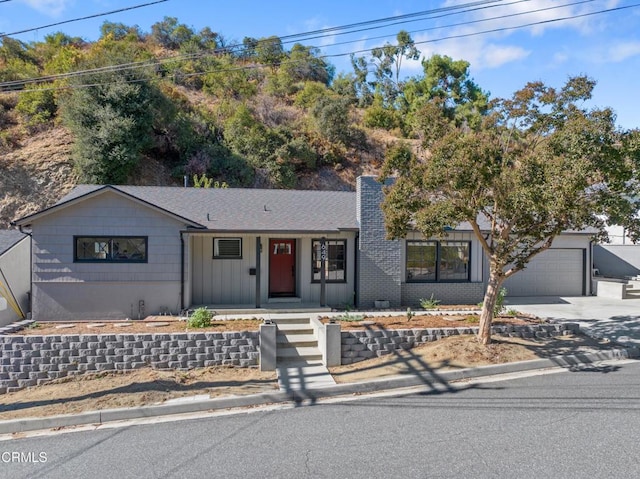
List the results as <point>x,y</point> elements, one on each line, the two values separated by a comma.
<point>241,273</point>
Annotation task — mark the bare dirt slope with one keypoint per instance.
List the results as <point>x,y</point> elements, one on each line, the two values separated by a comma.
<point>36,174</point>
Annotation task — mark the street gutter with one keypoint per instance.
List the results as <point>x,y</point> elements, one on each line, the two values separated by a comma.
<point>310,396</point>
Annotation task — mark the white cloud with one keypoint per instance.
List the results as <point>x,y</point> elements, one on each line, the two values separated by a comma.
<point>52,8</point>
<point>540,15</point>
<point>497,55</point>
<point>623,51</point>
<point>478,51</point>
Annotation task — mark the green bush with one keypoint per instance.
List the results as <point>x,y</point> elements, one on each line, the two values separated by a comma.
<point>37,106</point>
<point>201,318</point>
<point>377,116</point>
<point>430,303</point>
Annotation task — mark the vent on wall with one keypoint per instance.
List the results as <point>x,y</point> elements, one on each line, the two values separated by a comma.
<point>227,248</point>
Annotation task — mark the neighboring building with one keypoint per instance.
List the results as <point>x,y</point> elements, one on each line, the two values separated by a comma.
<point>15,271</point>
<point>129,251</point>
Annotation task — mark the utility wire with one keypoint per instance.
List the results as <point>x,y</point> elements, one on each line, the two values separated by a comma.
<point>239,47</point>
<point>80,18</point>
<point>434,40</point>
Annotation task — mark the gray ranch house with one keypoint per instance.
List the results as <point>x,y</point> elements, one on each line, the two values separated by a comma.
<point>106,252</point>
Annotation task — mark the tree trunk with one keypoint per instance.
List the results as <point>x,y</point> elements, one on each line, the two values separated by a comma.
<point>490,298</point>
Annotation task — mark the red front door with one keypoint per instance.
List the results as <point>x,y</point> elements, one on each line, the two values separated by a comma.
<point>282,267</point>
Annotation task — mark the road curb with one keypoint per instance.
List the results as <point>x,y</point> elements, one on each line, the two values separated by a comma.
<point>397,382</point>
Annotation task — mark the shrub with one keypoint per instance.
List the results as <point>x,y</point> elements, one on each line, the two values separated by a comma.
<point>499,306</point>
<point>430,303</point>
<point>201,318</point>
<point>376,116</point>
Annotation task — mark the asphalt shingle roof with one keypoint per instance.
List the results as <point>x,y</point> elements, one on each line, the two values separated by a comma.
<point>246,209</point>
<point>8,238</point>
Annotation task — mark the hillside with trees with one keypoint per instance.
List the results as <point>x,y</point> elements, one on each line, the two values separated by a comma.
<point>153,107</point>
<point>156,107</point>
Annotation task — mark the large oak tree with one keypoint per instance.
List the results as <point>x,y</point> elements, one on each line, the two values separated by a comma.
<point>537,164</point>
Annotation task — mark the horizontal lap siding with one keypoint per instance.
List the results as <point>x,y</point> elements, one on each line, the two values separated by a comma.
<point>64,290</point>
<point>109,215</point>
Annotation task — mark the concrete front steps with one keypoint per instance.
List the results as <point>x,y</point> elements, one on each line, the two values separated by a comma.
<point>632,290</point>
<point>298,359</point>
<point>296,341</point>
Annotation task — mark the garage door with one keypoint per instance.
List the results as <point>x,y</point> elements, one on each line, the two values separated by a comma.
<point>556,272</point>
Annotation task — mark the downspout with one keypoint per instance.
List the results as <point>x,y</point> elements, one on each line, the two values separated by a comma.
<point>181,272</point>
<point>590,267</point>
<point>356,276</point>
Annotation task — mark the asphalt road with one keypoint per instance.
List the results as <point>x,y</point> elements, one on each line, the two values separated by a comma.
<point>569,425</point>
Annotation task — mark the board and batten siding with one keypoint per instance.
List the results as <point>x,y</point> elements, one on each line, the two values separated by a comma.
<point>63,289</point>
<point>228,282</point>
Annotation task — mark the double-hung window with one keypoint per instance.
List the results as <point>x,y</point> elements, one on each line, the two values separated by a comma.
<point>110,249</point>
<point>335,266</point>
<point>444,261</point>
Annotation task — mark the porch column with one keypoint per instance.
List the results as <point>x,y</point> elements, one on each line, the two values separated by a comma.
<point>258,274</point>
<point>323,279</point>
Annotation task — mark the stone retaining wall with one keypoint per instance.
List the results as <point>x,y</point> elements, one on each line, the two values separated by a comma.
<point>32,360</point>
<point>360,345</point>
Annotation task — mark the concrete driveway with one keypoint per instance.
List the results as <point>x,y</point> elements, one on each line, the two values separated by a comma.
<point>615,319</point>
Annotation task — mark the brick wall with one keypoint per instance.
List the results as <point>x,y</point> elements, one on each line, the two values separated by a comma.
<point>380,259</point>
<point>447,293</point>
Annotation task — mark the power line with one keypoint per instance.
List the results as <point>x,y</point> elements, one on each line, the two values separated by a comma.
<point>462,8</point>
<point>434,40</point>
<point>80,18</point>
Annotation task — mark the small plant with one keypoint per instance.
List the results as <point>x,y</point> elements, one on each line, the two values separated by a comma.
<point>201,318</point>
<point>430,303</point>
<point>350,317</point>
<point>410,314</point>
<point>472,318</point>
<point>499,306</point>
<point>512,312</point>
<point>33,325</point>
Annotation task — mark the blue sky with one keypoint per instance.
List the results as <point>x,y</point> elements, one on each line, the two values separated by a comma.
<point>604,46</point>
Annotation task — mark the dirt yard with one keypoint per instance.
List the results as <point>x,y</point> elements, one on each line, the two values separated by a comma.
<point>164,324</point>
<point>147,386</point>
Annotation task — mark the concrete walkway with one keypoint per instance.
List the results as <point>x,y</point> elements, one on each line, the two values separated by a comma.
<point>615,319</point>
<point>303,375</point>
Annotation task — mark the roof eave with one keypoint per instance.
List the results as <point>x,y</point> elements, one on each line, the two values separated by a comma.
<point>28,220</point>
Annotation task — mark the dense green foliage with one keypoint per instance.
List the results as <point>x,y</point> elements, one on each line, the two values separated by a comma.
<point>203,106</point>
<point>535,165</point>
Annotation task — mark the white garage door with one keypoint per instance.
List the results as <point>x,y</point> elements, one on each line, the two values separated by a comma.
<point>555,272</point>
